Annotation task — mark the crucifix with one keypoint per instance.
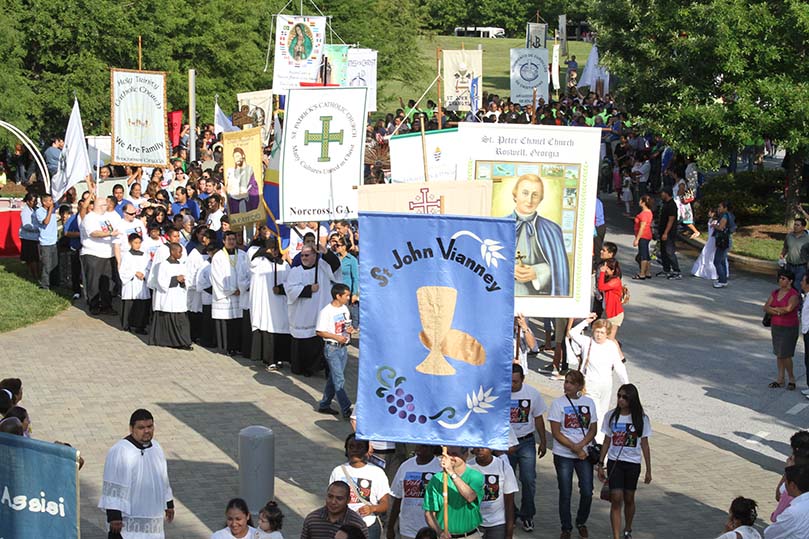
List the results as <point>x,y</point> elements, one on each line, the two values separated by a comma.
<point>519,257</point>
<point>424,203</point>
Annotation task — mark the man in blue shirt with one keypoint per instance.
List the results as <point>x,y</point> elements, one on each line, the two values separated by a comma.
<point>181,202</point>
<point>120,202</point>
<point>53,154</point>
<point>45,221</point>
<point>71,231</point>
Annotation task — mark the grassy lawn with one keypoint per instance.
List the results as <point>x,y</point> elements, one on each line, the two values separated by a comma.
<point>764,249</point>
<point>496,67</point>
<point>23,303</point>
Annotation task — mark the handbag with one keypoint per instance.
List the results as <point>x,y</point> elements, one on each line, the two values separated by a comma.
<point>351,483</point>
<point>767,320</point>
<point>594,449</point>
<point>722,238</point>
<point>605,488</point>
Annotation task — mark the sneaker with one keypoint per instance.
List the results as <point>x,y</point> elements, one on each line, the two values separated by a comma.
<point>717,284</point>
<point>675,277</point>
<point>328,411</point>
<point>805,391</point>
<point>272,367</point>
<point>662,274</point>
<point>628,534</point>
<point>346,414</point>
<point>546,369</point>
<point>528,524</point>
<point>76,296</point>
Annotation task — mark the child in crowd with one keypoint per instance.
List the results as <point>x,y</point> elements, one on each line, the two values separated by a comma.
<point>270,522</point>
<point>135,295</point>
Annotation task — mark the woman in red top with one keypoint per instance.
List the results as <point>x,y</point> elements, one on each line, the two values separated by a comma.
<point>782,306</point>
<point>643,235</point>
<point>611,287</point>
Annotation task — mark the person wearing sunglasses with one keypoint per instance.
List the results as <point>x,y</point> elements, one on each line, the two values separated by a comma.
<point>782,308</point>
<point>627,430</point>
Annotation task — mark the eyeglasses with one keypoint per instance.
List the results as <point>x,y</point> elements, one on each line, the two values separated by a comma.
<point>130,213</point>
<point>623,396</point>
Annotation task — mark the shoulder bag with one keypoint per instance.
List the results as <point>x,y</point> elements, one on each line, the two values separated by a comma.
<point>605,488</point>
<point>593,449</point>
<point>351,483</point>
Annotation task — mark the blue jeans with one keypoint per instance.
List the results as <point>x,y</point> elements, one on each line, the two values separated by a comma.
<point>564,478</point>
<point>336,357</point>
<point>799,270</point>
<point>526,459</point>
<point>720,262</point>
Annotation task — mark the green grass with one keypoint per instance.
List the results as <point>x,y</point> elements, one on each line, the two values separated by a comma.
<point>22,302</point>
<point>761,248</point>
<point>496,68</point>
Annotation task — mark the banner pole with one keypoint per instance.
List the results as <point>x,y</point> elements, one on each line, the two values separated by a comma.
<point>192,114</point>
<point>446,493</point>
<point>424,147</point>
<point>440,82</point>
<point>534,107</point>
<point>140,53</point>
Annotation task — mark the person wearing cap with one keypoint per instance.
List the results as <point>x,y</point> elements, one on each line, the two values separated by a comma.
<point>464,494</point>
<point>667,227</point>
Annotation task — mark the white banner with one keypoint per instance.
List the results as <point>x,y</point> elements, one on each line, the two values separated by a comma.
<point>139,130</point>
<point>535,35</point>
<point>555,67</point>
<point>546,177</point>
<point>446,198</point>
<point>255,110</point>
<point>563,33</point>
<point>443,153</point>
<point>463,79</point>
<point>529,71</point>
<point>361,72</point>
<point>99,150</point>
<point>74,164</point>
<point>322,153</point>
<point>298,50</point>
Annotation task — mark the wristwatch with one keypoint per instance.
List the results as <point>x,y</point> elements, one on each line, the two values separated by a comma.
<point>453,475</point>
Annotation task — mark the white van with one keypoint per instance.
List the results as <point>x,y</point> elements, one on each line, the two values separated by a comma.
<point>480,31</point>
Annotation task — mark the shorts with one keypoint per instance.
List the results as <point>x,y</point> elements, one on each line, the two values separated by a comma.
<point>623,475</point>
<point>616,320</point>
<point>643,249</point>
<point>29,251</point>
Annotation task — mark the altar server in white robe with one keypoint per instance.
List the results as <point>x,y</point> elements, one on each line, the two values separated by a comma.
<point>308,290</point>
<point>197,257</point>
<point>227,268</point>
<point>135,295</point>
<point>136,493</point>
<point>162,253</point>
<point>202,280</point>
<point>170,325</point>
<point>269,310</point>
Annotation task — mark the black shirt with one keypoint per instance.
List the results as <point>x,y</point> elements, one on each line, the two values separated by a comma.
<point>669,209</point>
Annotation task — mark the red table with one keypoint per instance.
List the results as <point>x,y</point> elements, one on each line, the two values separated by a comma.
<point>10,233</point>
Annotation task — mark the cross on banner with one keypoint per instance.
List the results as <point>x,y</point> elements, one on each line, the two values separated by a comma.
<point>424,203</point>
<point>324,138</point>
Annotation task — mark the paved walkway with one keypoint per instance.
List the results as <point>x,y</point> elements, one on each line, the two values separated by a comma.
<point>83,377</point>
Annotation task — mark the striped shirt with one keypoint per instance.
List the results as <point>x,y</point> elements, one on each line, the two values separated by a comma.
<point>317,525</point>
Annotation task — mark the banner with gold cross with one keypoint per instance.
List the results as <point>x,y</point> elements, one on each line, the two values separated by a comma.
<point>322,153</point>
<point>439,370</point>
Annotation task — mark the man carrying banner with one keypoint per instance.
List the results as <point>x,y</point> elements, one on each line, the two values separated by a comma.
<point>464,494</point>
<point>136,494</point>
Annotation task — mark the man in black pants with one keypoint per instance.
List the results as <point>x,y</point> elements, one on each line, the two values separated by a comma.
<point>667,226</point>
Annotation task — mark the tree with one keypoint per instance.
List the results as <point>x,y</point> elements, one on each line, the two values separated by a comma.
<point>711,75</point>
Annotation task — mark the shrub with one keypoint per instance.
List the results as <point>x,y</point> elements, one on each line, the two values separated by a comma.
<point>756,197</point>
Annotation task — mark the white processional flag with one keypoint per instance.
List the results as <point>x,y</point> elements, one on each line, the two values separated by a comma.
<point>221,122</point>
<point>74,163</point>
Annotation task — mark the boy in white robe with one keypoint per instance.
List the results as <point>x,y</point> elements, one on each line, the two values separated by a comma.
<point>202,280</point>
<point>269,311</point>
<point>197,257</point>
<point>135,295</point>
<point>170,325</point>
<point>308,290</point>
<point>227,266</point>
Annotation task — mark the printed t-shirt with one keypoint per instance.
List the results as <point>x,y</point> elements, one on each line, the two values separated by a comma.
<point>334,320</point>
<point>498,480</point>
<point>624,438</point>
<point>409,485</point>
<point>563,413</point>
<point>370,482</point>
<point>526,404</point>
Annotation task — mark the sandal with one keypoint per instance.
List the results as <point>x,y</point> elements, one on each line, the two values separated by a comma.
<point>638,277</point>
<point>791,386</point>
<point>774,385</point>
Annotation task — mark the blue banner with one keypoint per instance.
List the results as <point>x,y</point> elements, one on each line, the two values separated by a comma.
<point>39,493</point>
<point>437,317</point>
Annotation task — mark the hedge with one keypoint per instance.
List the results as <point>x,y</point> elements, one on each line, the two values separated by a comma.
<point>756,197</point>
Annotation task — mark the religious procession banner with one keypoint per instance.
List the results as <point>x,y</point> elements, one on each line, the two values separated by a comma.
<point>298,51</point>
<point>555,68</point>
<point>441,373</point>
<point>535,35</point>
<point>450,198</point>
<point>138,108</point>
<point>544,178</point>
<point>563,33</point>
<point>241,157</point>
<point>333,65</point>
<point>407,154</point>
<point>463,80</point>
<point>361,72</point>
<point>39,488</point>
<point>322,153</point>
<point>529,72</point>
<point>255,110</point>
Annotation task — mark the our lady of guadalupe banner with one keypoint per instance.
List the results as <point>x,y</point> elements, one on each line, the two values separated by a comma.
<point>361,72</point>
<point>298,51</point>
<point>39,489</point>
<point>529,72</point>
<point>241,156</point>
<point>322,153</point>
<point>463,80</point>
<point>441,374</point>
<point>544,180</point>
<point>139,128</point>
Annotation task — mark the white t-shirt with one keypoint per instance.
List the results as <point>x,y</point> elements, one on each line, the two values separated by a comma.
<point>564,414</point>
<point>746,532</point>
<point>408,485</point>
<point>93,222</point>
<point>334,320</point>
<point>622,435</point>
<point>498,480</point>
<point>526,405</point>
<point>224,533</point>
<point>369,480</point>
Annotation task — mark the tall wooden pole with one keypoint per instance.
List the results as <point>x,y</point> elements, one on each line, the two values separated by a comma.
<point>446,493</point>
<point>440,104</point>
<point>424,148</point>
<point>140,53</point>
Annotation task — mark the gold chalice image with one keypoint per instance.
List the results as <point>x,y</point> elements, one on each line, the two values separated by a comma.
<point>436,310</point>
